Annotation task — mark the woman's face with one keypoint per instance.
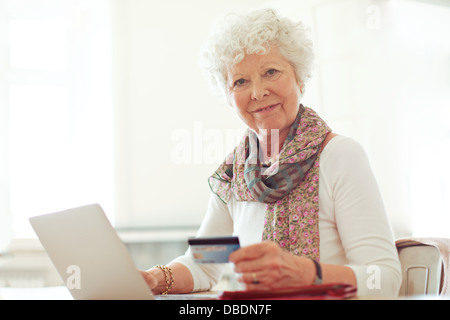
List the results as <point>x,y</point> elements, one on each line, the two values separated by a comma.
<point>265,92</point>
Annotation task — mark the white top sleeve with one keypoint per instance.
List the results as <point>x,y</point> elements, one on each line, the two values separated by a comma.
<point>353,226</point>
<point>217,222</point>
<point>357,220</point>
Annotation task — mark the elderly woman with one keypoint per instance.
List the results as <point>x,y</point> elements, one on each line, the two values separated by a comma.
<point>302,200</point>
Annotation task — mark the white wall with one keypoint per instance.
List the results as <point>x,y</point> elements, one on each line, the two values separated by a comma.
<point>160,92</point>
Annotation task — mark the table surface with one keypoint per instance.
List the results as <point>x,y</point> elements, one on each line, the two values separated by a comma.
<point>44,293</point>
<point>62,293</point>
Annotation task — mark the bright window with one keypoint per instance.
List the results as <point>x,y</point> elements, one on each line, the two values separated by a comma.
<point>57,80</point>
<point>39,44</point>
<point>423,49</point>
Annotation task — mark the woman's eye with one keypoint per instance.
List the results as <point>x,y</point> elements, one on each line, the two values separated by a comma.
<point>271,72</point>
<point>239,82</point>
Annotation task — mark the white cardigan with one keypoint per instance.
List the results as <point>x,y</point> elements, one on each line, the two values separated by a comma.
<point>353,226</point>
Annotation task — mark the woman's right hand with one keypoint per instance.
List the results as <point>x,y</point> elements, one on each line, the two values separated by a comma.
<point>156,279</point>
<point>150,279</point>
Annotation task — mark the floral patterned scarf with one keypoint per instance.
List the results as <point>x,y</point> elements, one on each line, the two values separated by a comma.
<point>289,186</point>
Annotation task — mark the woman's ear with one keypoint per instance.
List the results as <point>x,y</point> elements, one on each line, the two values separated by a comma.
<point>302,89</point>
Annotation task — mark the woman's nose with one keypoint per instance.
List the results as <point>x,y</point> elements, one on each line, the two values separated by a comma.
<point>259,90</point>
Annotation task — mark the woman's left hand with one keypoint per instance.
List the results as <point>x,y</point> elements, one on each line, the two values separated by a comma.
<point>265,266</point>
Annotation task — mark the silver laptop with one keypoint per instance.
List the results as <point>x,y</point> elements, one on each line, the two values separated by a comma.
<point>90,257</point>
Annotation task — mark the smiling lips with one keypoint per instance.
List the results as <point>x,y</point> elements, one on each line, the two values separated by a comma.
<point>266,109</point>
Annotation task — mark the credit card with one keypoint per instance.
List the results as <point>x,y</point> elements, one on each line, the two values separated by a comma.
<point>213,250</point>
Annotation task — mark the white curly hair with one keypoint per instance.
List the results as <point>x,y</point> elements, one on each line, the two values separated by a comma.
<point>236,35</point>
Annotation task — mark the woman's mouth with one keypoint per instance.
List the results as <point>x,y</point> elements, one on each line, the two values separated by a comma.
<point>267,109</point>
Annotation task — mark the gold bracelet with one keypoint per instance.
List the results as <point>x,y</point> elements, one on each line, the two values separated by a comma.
<point>168,275</point>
